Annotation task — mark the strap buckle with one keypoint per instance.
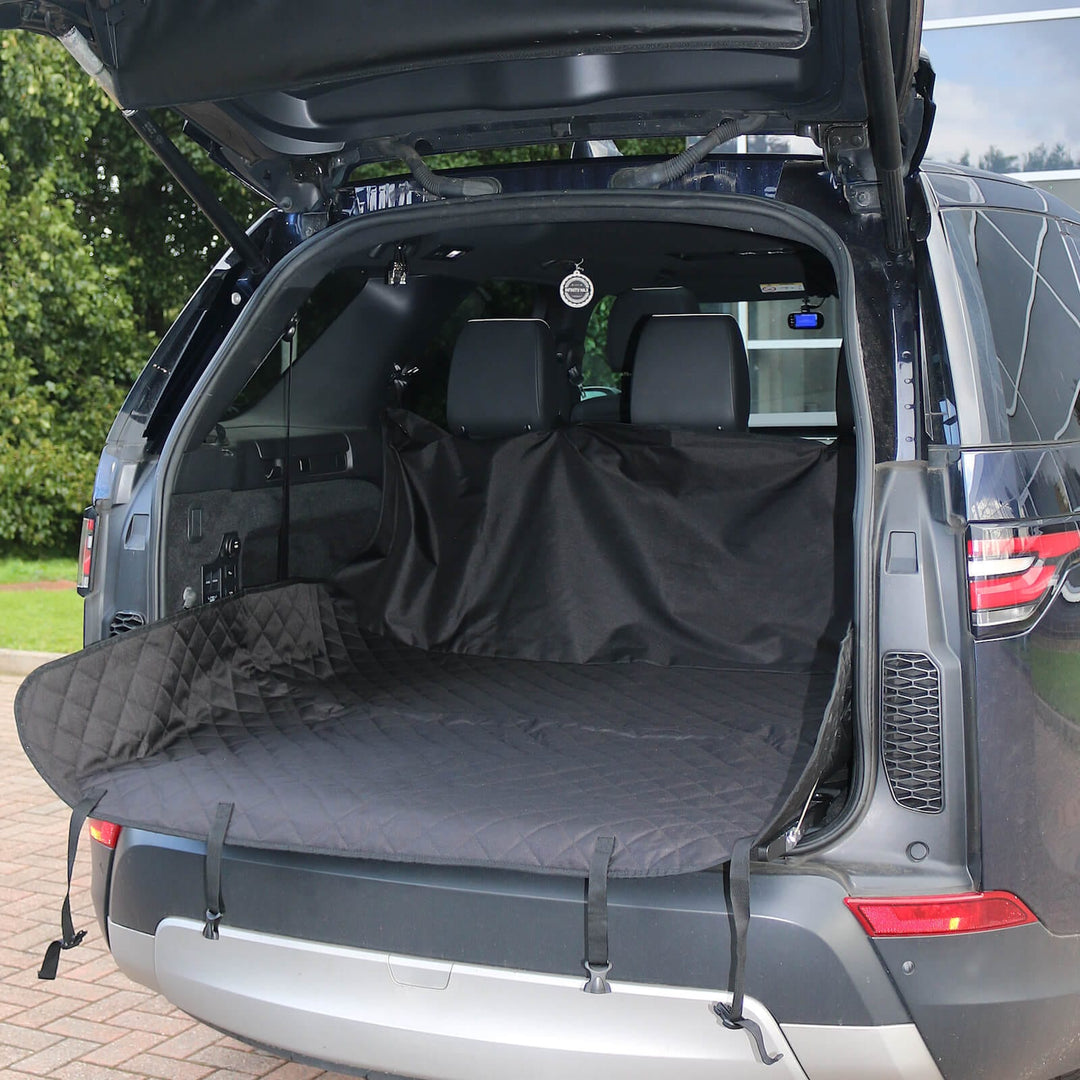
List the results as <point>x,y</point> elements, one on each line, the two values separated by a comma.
<point>74,941</point>
<point>213,920</point>
<point>597,983</point>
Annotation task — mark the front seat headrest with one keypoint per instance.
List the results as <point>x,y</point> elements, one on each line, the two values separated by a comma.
<point>690,371</point>
<point>505,379</point>
<point>631,309</point>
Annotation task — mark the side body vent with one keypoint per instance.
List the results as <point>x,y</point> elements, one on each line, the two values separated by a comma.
<point>911,731</point>
<point>123,621</point>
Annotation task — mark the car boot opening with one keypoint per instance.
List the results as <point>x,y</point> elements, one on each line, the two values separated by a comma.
<point>518,536</point>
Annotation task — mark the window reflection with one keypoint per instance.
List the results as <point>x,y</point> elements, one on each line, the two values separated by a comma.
<point>1029,273</point>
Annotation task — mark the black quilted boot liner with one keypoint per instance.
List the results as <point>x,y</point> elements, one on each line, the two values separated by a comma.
<point>595,631</point>
<point>331,739</point>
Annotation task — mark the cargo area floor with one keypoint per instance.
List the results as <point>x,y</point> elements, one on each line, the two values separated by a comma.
<point>330,739</point>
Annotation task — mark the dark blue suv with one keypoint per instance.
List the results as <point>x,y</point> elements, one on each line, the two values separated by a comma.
<point>597,617</point>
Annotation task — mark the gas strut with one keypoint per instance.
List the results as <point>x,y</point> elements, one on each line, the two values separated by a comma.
<point>198,190</point>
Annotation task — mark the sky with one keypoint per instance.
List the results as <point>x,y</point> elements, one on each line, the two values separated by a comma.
<point>1013,86</point>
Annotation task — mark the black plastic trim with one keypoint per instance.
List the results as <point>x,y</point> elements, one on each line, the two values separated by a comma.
<point>1002,1003</point>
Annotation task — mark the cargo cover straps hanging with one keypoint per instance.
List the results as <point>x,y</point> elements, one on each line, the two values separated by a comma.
<point>69,939</point>
<point>739,893</point>
<point>776,840</point>
<point>215,849</point>
<point>597,958</point>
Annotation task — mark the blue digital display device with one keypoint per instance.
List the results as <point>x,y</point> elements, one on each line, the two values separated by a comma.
<point>806,320</point>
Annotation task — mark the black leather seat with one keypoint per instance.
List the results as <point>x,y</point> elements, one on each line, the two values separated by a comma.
<point>505,379</point>
<point>625,320</point>
<point>691,371</point>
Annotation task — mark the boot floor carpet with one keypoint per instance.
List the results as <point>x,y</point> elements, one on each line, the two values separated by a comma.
<point>341,741</point>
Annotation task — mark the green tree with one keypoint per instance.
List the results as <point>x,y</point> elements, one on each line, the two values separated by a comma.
<point>99,249</point>
<point>1041,158</point>
<point>1045,159</point>
<point>995,160</point>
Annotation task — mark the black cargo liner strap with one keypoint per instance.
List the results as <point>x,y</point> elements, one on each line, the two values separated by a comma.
<point>828,751</point>
<point>215,848</point>
<point>69,939</point>
<point>597,957</point>
<point>739,897</point>
<point>831,747</point>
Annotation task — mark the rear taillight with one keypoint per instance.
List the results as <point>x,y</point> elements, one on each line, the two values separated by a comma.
<point>104,832</point>
<point>1014,571</point>
<point>966,913</point>
<point>86,551</point>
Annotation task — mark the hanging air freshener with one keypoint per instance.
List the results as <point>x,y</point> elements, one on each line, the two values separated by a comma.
<point>397,273</point>
<point>577,289</point>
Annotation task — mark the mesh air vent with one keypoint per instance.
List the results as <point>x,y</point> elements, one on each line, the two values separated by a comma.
<point>911,731</point>
<point>123,621</point>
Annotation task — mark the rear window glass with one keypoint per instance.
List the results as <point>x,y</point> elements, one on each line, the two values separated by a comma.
<point>595,371</point>
<point>1026,321</point>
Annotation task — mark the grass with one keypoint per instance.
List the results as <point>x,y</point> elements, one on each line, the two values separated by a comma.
<point>16,570</point>
<point>44,621</point>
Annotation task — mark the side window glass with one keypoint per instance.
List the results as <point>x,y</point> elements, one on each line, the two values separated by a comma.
<point>1027,321</point>
<point>262,399</point>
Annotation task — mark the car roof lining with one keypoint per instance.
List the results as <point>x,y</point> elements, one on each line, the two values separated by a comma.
<point>715,263</point>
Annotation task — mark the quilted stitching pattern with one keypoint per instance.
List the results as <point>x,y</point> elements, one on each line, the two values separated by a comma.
<point>332,739</point>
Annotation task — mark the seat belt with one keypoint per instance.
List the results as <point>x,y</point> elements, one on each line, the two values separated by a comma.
<point>731,1016</point>
<point>597,960</point>
<point>215,850</point>
<point>69,939</point>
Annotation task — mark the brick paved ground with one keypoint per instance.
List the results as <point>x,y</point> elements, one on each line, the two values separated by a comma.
<point>92,1023</point>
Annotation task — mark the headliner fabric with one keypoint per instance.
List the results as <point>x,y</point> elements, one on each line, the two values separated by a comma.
<point>329,739</point>
<point>566,635</point>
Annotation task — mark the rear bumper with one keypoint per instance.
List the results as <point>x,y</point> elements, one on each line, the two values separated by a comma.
<point>807,958</point>
<point>453,1021</point>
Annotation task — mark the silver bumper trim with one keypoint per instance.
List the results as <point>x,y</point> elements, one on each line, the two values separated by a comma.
<point>444,1021</point>
<point>449,1021</point>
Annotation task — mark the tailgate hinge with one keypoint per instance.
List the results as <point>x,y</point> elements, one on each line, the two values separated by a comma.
<point>850,159</point>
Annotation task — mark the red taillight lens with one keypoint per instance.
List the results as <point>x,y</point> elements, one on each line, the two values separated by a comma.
<point>966,913</point>
<point>1014,571</point>
<point>86,551</point>
<point>104,832</point>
